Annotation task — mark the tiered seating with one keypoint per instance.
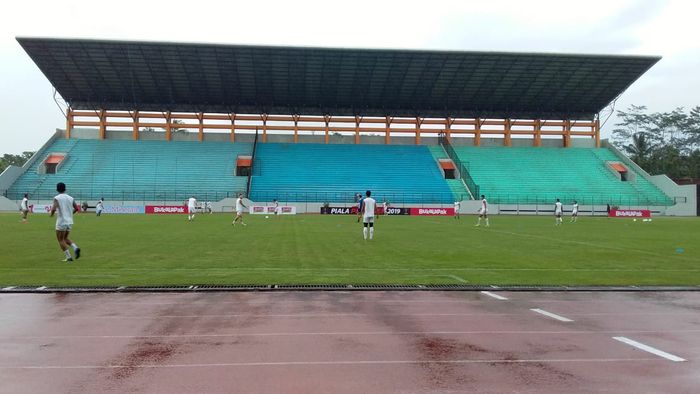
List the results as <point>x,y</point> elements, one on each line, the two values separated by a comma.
<point>540,175</point>
<point>139,170</point>
<point>334,173</point>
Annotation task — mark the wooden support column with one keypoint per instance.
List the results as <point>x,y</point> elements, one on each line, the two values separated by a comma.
<point>387,130</point>
<point>448,128</point>
<point>327,119</point>
<point>135,126</point>
<point>168,126</point>
<point>264,120</point>
<point>357,129</point>
<point>200,135</point>
<point>69,122</point>
<point>418,124</point>
<point>538,133</point>
<point>103,123</point>
<point>596,133</point>
<point>232,137</point>
<point>296,128</point>
<point>507,123</point>
<point>477,132</point>
<point>567,133</point>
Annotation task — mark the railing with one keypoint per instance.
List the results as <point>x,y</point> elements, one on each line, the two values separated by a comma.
<point>582,199</point>
<point>348,197</point>
<point>150,196</point>
<point>461,167</point>
<point>252,164</point>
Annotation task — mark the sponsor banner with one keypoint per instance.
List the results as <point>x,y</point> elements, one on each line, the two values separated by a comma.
<point>270,210</point>
<point>127,209</point>
<point>630,213</point>
<point>432,211</point>
<point>353,211</point>
<point>165,209</point>
<point>40,208</point>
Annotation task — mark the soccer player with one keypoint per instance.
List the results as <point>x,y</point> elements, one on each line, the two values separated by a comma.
<point>360,202</point>
<point>24,208</point>
<point>239,210</point>
<point>385,208</point>
<point>208,206</point>
<point>574,212</point>
<point>191,208</point>
<point>368,207</point>
<point>483,211</point>
<point>558,212</point>
<point>457,206</point>
<point>276,206</point>
<point>65,206</point>
<point>100,207</point>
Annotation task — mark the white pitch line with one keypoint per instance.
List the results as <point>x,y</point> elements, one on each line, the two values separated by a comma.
<point>312,363</point>
<point>457,278</point>
<point>9,287</point>
<point>493,295</point>
<point>552,315</point>
<point>41,288</point>
<point>649,349</point>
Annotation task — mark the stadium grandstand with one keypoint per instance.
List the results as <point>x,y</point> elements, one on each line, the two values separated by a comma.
<point>153,121</point>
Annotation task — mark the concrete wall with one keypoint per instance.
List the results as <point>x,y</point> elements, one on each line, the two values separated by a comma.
<point>684,196</point>
<point>12,173</point>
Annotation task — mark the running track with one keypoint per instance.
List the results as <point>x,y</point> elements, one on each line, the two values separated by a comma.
<point>350,342</point>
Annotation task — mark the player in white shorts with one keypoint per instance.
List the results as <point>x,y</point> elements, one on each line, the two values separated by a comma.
<point>483,211</point>
<point>457,206</point>
<point>99,207</point>
<point>574,212</point>
<point>191,208</point>
<point>66,207</point>
<point>368,207</point>
<point>276,206</point>
<point>24,208</point>
<point>385,208</point>
<point>239,210</point>
<point>558,211</point>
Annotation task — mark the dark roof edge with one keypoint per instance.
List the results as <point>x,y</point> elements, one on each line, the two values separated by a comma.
<point>21,39</point>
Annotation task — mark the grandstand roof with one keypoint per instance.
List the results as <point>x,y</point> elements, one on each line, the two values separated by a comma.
<point>160,76</point>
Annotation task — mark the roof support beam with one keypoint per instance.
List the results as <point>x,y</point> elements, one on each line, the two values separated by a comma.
<point>538,133</point>
<point>168,126</point>
<point>135,127</point>
<point>327,120</point>
<point>477,132</point>
<point>69,122</point>
<point>387,130</point>
<point>103,124</point>
<point>232,117</point>
<point>264,127</point>
<point>200,135</point>
<point>507,128</point>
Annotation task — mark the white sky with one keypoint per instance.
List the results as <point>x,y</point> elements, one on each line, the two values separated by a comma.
<point>667,28</point>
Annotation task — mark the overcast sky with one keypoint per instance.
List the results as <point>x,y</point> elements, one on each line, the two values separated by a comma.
<point>666,28</point>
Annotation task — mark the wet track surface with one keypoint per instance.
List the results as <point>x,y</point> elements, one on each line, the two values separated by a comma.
<point>301,342</point>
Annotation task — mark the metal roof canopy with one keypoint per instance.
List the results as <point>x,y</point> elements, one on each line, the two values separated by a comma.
<point>159,76</point>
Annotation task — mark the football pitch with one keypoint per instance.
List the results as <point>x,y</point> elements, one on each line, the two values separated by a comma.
<point>145,250</point>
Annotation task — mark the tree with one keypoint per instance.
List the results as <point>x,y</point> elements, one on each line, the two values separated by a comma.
<point>14,160</point>
<point>661,142</point>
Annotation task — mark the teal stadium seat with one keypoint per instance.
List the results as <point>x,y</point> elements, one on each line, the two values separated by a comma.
<point>138,170</point>
<point>334,173</point>
<point>510,175</point>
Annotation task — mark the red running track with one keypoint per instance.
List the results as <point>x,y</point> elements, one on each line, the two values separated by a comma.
<point>351,342</point>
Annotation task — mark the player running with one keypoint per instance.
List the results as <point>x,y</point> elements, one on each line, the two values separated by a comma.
<point>24,208</point>
<point>558,211</point>
<point>457,206</point>
<point>368,215</point>
<point>191,208</point>
<point>483,211</point>
<point>239,210</point>
<point>574,212</point>
<point>66,207</point>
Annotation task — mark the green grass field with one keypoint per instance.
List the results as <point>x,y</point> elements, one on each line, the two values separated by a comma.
<point>135,250</point>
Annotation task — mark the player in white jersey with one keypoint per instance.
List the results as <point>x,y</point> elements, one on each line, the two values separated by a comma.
<point>558,211</point>
<point>66,207</point>
<point>191,208</point>
<point>239,210</point>
<point>24,208</point>
<point>208,207</point>
<point>385,208</point>
<point>483,211</point>
<point>100,207</point>
<point>457,206</point>
<point>276,206</point>
<point>574,212</point>
<point>368,207</point>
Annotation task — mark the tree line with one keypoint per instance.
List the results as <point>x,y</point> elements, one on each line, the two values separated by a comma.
<point>661,142</point>
<point>14,160</point>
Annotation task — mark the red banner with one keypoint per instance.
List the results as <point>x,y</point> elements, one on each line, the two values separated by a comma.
<point>165,209</point>
<point>629,213</point>
<point>432,211</point>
